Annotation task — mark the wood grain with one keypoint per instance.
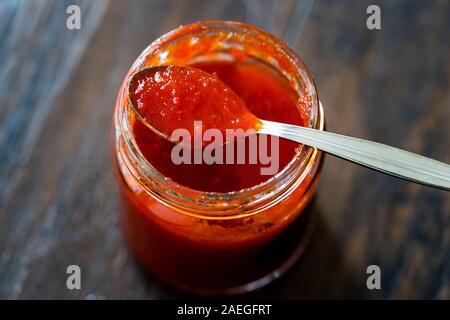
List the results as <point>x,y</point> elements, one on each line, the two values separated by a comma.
<point>58,195</point>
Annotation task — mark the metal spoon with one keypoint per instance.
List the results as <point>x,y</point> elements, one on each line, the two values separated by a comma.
<point>384,158</point>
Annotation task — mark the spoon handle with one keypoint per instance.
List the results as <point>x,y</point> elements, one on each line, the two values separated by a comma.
<point>387,159</point>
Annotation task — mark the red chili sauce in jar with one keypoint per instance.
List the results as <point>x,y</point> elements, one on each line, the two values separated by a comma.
<point>220,228</point>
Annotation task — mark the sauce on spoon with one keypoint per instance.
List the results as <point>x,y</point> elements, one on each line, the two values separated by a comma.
<point>170,97</point>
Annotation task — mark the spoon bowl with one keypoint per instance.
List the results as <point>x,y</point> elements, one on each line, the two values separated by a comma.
<point>167,98</point>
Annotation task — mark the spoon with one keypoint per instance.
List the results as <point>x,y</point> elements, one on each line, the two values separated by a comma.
<point>180,95</point>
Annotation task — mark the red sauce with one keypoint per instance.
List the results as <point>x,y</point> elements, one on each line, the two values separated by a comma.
<point>169,98</point>
<point>215,254</point>
<point>265,92</point>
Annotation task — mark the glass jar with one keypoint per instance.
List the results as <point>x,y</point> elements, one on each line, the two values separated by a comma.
<point>212,242</point>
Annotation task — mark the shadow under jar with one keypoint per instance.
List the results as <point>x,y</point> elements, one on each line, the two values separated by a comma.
<point>220,229</point>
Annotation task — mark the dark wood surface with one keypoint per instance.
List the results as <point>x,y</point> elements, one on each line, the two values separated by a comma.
<point>58,194</point>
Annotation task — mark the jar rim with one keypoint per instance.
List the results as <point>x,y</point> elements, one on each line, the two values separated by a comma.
<point>210,204</point>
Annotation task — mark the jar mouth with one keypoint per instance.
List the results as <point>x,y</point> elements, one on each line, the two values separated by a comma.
<point>220,205</point>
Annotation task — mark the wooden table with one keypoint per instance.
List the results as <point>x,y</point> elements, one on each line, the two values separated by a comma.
<point>58,194</point>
